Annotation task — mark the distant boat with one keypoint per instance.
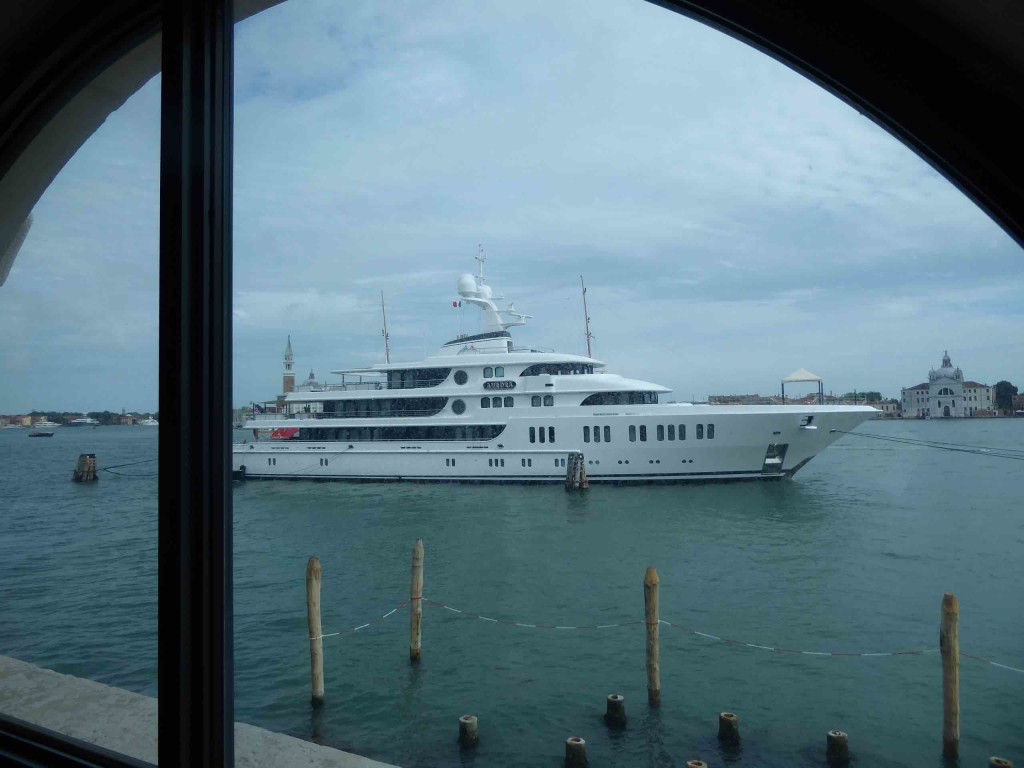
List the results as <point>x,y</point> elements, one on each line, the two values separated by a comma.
<point>45,424</point>
<point>83,421</point>
<point>13,426</point>
<point>40,433</point>
<point>150,422</point>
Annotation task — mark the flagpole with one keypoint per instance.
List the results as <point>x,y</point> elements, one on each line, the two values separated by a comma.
<point>586,316</point>
<point>387,347</point>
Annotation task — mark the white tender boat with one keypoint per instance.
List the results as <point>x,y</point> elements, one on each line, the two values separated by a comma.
<point>149,422</point>
<point>485,410</point>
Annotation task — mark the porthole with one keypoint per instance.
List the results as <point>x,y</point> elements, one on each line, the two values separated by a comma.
<point>458,407</point>
<point>461,377</point>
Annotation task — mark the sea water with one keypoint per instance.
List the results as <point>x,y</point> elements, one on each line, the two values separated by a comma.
<point>852,556</point>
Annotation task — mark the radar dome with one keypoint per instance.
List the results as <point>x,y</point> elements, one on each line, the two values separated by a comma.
<point>485,291</point>
<point>467,285</point>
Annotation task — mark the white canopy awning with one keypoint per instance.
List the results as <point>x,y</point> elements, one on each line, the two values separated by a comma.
<point>802,375</point>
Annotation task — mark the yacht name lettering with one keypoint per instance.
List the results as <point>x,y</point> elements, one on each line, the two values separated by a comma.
<point>499,384</point>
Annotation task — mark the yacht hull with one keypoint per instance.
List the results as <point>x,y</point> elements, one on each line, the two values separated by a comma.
<point>735,443</point>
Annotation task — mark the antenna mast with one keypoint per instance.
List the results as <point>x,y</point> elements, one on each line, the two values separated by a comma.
<point>586,316</point>
<point>384,333</point>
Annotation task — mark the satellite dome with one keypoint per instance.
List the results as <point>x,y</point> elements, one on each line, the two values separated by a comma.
<point>485,292</point>
<point>467,285</point>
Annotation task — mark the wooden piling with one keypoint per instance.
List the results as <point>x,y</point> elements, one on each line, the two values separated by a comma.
<point>316,641</point>
<point>416,601</point>
<point>999,762</point>
<point>85,469</point>
<point>576,472</point>
<point>575,752</point>
<point>838,750</point>
<point>651,619</point>
<point>949,647</point>
<point>615,711</point>
<point>469,733</point>
<point>728,728</point>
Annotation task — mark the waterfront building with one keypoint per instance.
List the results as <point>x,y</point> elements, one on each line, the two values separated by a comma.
<point>946,395</point>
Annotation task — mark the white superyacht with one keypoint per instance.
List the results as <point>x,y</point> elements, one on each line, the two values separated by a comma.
<point>486,410</point>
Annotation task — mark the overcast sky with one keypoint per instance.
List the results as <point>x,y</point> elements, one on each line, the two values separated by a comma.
<point>733,221</point>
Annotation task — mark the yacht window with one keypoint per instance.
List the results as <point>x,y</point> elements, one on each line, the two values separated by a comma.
<point>551,434</point>
<point>586,434</point>
<point>540,434</point>
<point>711,431</point>
<point>523,462</point>
<point>549,399</point>
<point>499,372</point>
<point>607,434</point>
<point>661,432</point>
<point>529,462</point>
<point>509,401</point>
<point>597,434</point>
<point>461,377</point>
<point>490,463</point>
<point>556,462</point>
<point>632,433</point>
<point>682,431</point>
<point>503,462</point>
<point>488,373</point>
<point>458,407</point>
<point>533,435</point>
<point>485,402</point>
<point>535,401</point>
<point>700,431</point>
<point>671,431</point>
<point>643,433</point>
<point>496,402</point>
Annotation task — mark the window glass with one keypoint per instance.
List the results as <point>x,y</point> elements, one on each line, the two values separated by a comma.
<point>597,434</point>
<point>643,433</point>
<point>496,402</point>
<point>535,401</point>
<point>671,431</point>
<point>461,377</point>
<point>540,434</point>
<point>488,372</point>
<point>661,432</point>
<point>549,399</point>
<point>700,431</point>
<point>458,407</point>
<point>711,431</point>
<point>485,402</point>
<point>682,431</point>
<point>533,435</point>
<point>551,434</point>
<point>586,434</point>
<point>509,401</point>
<point>499,372</point>
<point>607,434</point>
<point>632,433</point>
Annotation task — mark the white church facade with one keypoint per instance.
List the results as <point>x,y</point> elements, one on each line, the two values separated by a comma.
<point>946,395</point>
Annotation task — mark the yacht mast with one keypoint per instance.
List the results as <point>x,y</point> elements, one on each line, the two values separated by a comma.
<point>586,317</point>
<point>384,333</point>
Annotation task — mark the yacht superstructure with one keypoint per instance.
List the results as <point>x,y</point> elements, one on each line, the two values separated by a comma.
<point>485,410</point>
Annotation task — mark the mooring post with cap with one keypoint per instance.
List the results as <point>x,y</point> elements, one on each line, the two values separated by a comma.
<point>652,620</point>
<point>416,601</point>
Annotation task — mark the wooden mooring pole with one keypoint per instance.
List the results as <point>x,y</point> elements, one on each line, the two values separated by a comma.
<point>85,469</point>
<point>652,620</point>
<point>949,647</point>
<point>416,601</point>
<point>576,472</point>
<point>316,640</point>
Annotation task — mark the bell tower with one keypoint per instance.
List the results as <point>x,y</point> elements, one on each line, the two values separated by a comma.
<point>288,384</point>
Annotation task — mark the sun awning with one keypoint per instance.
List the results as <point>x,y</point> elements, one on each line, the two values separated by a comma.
<point>801,375</point>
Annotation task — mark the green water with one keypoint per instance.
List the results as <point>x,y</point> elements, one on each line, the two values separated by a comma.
<point>852,556</point>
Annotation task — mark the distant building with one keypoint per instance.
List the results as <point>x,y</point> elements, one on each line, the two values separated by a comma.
<point>946,395</point>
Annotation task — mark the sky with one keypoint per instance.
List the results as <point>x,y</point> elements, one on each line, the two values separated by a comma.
<point>732,220</point>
